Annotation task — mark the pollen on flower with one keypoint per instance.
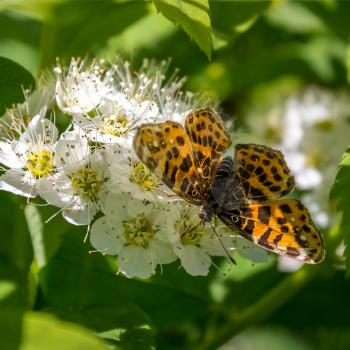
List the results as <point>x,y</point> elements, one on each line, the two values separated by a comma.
<point>86,183</point>
<point>142,176</point>
<point>40,163</point>
<point>115,125</point>
<point>190,232</point>
<point>139,231</point>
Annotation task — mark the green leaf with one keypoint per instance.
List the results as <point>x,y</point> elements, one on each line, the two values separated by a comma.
<point>73,29</point>
<point>72,272</point>
<point>347,63</point>
<point>193,16</point>
<point>230,18</point>
<point>36,230</point>
<point>340,196</point>
<point>13,79</point>
<point>17,26</point>
<point>46,239</point>
<point>122,323</point>
<point>42,331</point>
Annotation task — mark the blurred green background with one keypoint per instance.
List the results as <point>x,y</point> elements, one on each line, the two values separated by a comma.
<point>251,55</point>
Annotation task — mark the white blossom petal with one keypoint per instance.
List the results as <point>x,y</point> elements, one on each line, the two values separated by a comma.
<point>9,154</point>
<point>135,262</point>
<point>106,238</point>
<point>194,260</point>
<point>18,182</point>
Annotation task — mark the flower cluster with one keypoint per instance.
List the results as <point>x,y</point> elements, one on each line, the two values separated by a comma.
<point>91,172</point>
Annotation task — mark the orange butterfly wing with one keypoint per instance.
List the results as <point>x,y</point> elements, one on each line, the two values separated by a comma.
<point>263,172</point>
<point>165,149</point>
<point>209,140</point>
<point>283,226</point>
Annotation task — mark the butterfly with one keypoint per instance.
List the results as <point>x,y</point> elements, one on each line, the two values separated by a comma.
<point>243,191</point>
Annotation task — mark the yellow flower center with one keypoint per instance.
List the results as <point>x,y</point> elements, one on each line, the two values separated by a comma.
<point>139,231</point>
<point>142,176</point>
<point>190,232</point>
<point>86,183</point>
<point>115,125</point>
<point>40,163</point>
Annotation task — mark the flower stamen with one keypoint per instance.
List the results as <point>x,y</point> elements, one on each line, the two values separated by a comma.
<point>40,163</point>
<point>142,176</point>
<point>86,183</point>
<point>116,125</point>
<point>139,231</point>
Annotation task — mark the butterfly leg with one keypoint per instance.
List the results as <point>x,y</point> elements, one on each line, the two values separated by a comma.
<point>229,256</point>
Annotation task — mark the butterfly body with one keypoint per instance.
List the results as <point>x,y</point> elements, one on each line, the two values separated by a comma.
<point>243,191</point>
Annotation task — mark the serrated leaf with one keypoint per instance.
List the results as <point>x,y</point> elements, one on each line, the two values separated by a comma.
<point>340,196</point>
<point>13,79</point>
<point>193,16</point>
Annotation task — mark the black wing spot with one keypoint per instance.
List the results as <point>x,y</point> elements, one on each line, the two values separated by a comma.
<point>264,214</point>
<point>306,228</point>
<point>259,170</point>
<point>275,188</point>
<point>285,208</point>
<point>277,177</point>
<point>249,228</point>
<point>186,164</point>
<point>180,140</point>
<point>250,167</point>
<point>284,229</point>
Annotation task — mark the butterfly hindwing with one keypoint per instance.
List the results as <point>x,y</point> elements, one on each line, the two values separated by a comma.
<point>263,172</point>
<point>165,149</point>
<point>209,140</point>
<point>283,226</point>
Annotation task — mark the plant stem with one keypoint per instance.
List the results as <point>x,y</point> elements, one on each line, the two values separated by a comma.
<point>263,308</point>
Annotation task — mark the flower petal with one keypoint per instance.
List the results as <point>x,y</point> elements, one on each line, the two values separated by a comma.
<point>18,182</point>
<point>9,154</point>
<point>82,216</point>
<point>194,260</point>
<point>72,153</point>
<point>161,252</point>
<point>108,240</point>
<point>135,261</point>
<point>56,190</point>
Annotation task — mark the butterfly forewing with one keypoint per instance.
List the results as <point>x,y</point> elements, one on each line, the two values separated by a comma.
<point>165,149</point>
<point>209,140</point>
<point>263,172</point>
<point>283,226</point>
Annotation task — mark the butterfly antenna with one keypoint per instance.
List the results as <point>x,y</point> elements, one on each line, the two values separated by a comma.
<point>230,258</point>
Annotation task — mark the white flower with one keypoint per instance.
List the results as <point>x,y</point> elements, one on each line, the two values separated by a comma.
<point>193,243</point>
<point>136,233</point>
<point>116,120</point>
<point>132,177</point>
<point>28,153</point>
<point>80,87</point>
<point>82,181</point>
